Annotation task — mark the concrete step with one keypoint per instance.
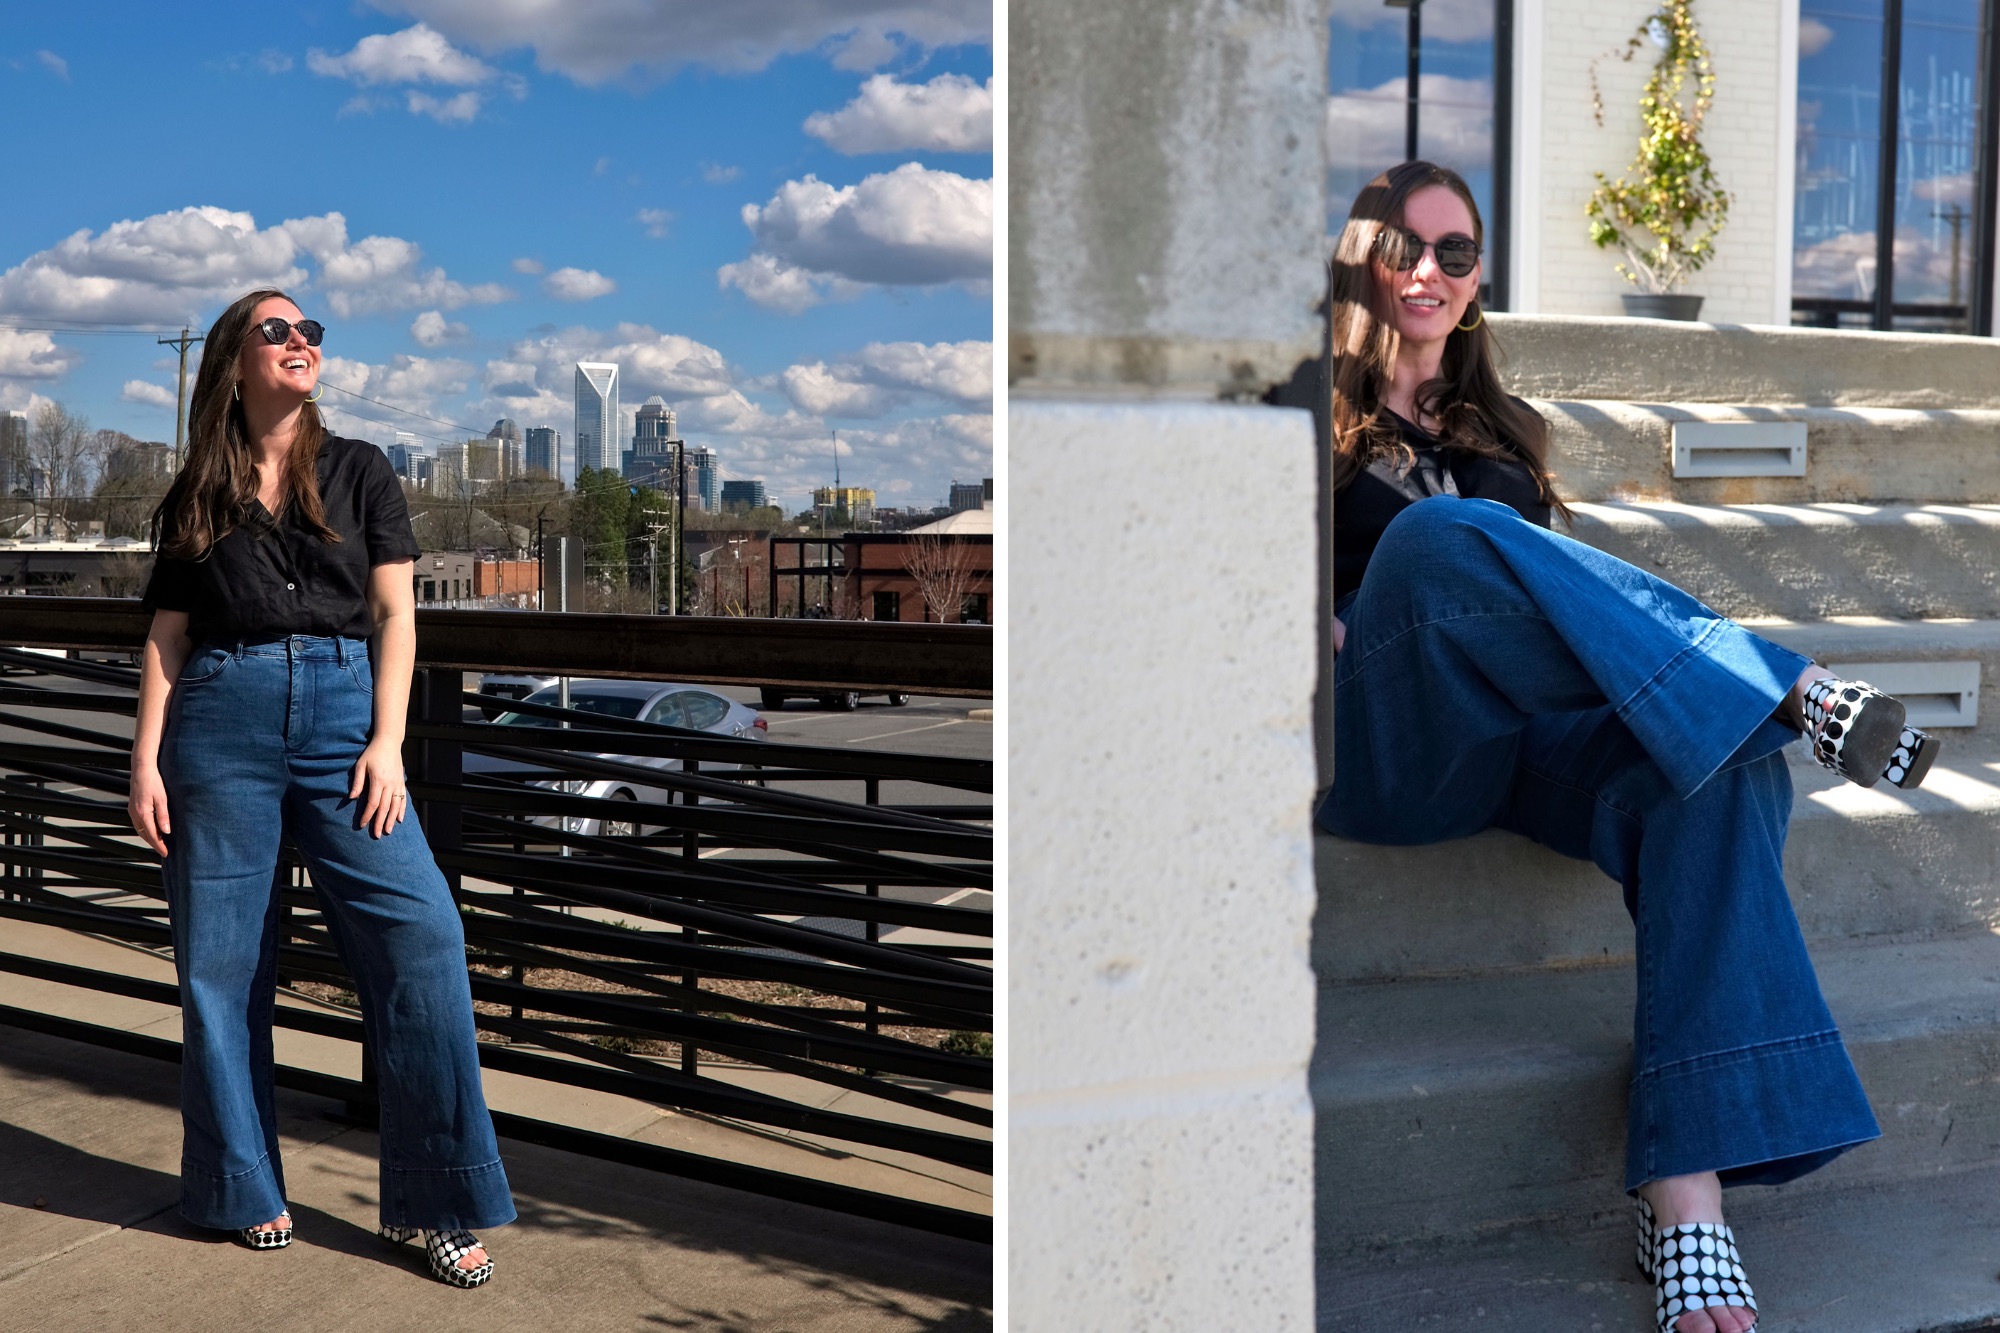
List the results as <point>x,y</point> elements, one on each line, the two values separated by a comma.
<point>1659,361</point>
<point>1817,1258</point>
<point>1623,450</point>
<point>1859,863</point>
<point>1812,561</point>
<point>1447,1111</point>
<point>1868,647</point>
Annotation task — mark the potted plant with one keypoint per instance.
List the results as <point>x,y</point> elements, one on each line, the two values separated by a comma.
<point>1664,213</point>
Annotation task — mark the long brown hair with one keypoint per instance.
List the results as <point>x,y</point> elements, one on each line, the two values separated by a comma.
<point>218,480</point>
<point>1473,413</point>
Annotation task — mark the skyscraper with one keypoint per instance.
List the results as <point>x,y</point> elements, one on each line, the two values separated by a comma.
<point>597,430</point>
<point>743,495</point>
<point>543,452</point>
<point>650,460</point>
<point>702,476</point>
<point>507,462</point>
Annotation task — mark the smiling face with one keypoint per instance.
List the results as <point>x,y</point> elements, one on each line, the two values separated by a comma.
<point>1425,302</point>
<point>277,372</point>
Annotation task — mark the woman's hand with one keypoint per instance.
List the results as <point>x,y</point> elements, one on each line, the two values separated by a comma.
<point>379,776</point>
<point>1339,635</point>
<point>147,806</point>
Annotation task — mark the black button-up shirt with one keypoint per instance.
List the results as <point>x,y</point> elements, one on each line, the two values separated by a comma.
<point>272,578</point>
<point>1367,505</point>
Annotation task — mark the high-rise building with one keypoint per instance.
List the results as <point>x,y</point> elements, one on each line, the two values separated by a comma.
<point>702,477</point>
<point>650,459</point>
<point>968,495</point>
<point>597,425</point>
<point>403,455</point>
<point>16,472</point>
<point>542,451</point>
<point>450,470</point>
<point>858,501</point>
<point>743,495</point>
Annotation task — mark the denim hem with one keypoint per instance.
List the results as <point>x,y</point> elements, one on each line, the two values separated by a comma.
<point>1761,1114</point>
<point>1724,686</point>
<point>444,1198</point>
<point>229,1203</point>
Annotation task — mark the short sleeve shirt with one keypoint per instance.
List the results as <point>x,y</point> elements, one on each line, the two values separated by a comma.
<point>272,578</point>
<point>1386,487</point>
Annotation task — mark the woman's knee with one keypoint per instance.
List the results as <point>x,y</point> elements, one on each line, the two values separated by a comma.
<point>1441,530</point>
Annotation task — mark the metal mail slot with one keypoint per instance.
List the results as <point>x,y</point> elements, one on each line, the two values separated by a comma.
<point>1938,694</point>
<point>1739,448</point>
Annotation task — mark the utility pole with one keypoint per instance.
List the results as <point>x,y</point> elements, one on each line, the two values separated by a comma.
<point>679,523</point>
<point>185,341</point>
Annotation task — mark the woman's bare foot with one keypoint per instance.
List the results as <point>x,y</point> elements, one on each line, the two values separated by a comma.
<point>1678,1199</point>
<point>278,1223</point>
<point>1795,702</point>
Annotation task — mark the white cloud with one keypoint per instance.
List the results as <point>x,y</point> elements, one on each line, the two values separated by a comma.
<point>1814,36</point>
<point>527,265</point>
<point>1463,20</point>
<point>1365,129</point>
<point>173,266</point>
<point>656,221</point>
<point>950,114</point>
<point>884,376</point>
<point>54,63</point>
<point>414,383</point>
<point>907,227</point>
<point>597,41</point>
<point>461,109</point>
<point>717,174</point>
<point>432,329</point>
<point>274,61</point>
<point>30,355</point>
<point>418,54</point>
<point>144,391</point>
<point>578,284</point>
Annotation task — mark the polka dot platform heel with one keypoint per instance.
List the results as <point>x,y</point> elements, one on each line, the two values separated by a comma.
<point>276,1238</point>
<point>443,1250</point>
<point>1854,728</point>
<point>1691,1266</point>
<point>1916,750</point>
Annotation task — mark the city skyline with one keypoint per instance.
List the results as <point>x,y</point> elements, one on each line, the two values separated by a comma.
<point>471,210</point>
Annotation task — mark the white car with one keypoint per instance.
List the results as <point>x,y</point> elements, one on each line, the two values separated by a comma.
<point>666,703</point>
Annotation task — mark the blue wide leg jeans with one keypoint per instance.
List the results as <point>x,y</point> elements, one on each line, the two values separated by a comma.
<point>1499,675</point>
<point>260,745</point>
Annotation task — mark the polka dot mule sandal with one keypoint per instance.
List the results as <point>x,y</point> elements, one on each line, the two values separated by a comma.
<point>271,1238</point>
<point>443,1250</point>
<point>1692,1266</point>
<point>1861,733</point>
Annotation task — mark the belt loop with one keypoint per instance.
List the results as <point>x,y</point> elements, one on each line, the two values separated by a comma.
<point>237,651</point>
<point>340,648</point>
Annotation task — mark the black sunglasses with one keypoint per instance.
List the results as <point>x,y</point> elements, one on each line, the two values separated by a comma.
<point>1402,251</point>
<point>276,330</point>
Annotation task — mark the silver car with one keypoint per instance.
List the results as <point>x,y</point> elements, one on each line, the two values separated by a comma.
<point>675,705</point>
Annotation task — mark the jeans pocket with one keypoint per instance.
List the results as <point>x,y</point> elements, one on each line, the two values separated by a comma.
<point>363,672</point>
<point>203,665</point>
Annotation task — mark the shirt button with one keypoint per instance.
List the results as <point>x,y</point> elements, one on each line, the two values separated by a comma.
<point>290,586</point>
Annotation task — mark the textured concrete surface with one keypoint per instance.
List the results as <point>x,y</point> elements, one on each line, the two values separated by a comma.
<point>1916,1256</point>
<point>1167,190</point>
<point>1858,862</point>
<point>90,1241</point>
<point>1453,1110</point>
<point>1577,357</point>
<point>1811,561</point>
<point>1160,992</point>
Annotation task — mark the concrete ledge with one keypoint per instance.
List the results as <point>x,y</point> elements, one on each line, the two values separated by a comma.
<point>1660,361</point>
<point>1812,561</point>
<point>1617,450</point>
<point>1873,862</point>
<point>1451,1110</point>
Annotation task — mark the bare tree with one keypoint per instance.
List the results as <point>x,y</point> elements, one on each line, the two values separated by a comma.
<point>943,569</point>
<point>61,448</point>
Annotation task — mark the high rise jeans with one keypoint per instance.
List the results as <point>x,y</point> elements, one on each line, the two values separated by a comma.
<point>260,744</point>
<point>1499,675</point>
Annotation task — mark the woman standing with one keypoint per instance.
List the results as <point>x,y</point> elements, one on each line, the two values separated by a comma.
<point>1493,674</point>
<point>271,706</point>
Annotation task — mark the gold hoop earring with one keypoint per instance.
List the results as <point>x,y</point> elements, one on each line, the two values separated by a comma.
<point>318,389</point>
<point>1467,328</point>
<point>236,391</point>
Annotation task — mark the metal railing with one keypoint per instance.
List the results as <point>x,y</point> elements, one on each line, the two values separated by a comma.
<point>819,918</point>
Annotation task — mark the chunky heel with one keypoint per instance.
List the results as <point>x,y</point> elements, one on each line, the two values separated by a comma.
<point>1916,750</point>
<point>442,1251</point>
<point>1854,727</point>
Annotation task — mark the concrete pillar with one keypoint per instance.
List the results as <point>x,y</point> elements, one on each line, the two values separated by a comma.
<point>1166,243</point>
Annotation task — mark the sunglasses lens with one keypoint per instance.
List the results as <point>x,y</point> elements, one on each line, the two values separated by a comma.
<point>1404,250</point>
<point>312,330</point>
<point>1457,260</point>
<point>275,330</point>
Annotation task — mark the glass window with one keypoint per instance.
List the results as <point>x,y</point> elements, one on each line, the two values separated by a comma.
<point>1931,169</point>
<point>972,611</point>
<point>1459,103</point>
<point>703,710</point>
<point>582,701</point>
<point>888,606</point>
<point>668,712</point>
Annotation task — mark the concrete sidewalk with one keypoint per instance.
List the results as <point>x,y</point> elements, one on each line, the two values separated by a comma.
<point>90,1238</point>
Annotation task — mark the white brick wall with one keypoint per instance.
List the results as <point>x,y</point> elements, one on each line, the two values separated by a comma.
<point>1745,39</point>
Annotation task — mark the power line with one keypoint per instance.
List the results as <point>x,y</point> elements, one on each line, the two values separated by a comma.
<point>469,430</point>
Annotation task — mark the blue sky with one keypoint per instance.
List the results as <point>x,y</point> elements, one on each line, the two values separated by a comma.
<point>777,214</point>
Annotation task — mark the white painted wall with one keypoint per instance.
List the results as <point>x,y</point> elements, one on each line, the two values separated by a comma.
<point>1748,134</point>
<point>1160,675</point>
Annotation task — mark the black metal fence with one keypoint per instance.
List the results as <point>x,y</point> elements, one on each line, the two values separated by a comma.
<point>725,926</point>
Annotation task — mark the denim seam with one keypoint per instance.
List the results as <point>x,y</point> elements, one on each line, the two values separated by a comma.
<point>188,1164</point>
<point>1443,620</point>
<point>1736,1055</point>
<point>482,1169</point>
<point>1673,666</point>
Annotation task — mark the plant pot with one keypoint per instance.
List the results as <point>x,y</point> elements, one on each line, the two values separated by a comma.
<point>1662,305</point>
